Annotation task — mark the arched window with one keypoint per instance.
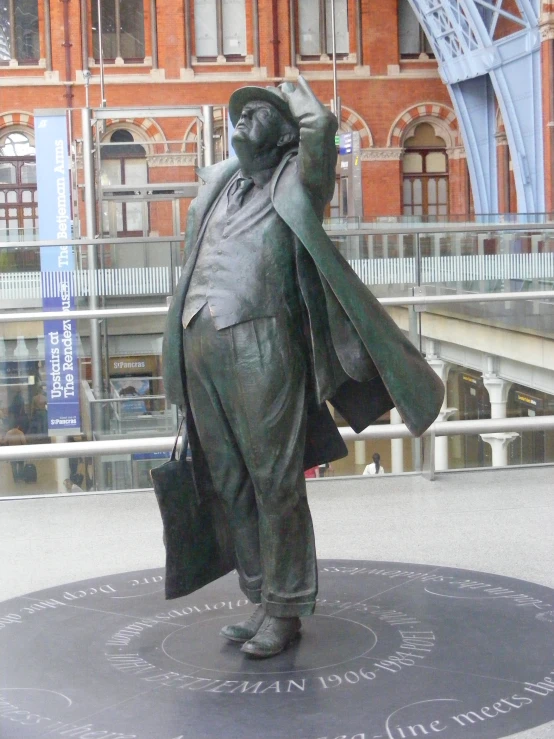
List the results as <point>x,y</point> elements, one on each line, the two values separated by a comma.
<point>123,163</point>
<point>18,186</point>
<point>425,173</point>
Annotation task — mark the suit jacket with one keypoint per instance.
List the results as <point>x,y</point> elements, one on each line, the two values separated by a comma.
<point>360,360</point>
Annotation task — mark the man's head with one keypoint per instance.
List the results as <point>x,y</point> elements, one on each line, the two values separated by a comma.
<point>264,127</point>
<point>262,132</point>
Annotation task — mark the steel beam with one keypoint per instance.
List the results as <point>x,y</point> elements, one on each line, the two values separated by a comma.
<point>462,34</point>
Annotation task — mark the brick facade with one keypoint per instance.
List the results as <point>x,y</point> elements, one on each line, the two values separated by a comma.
<point>382,95</point>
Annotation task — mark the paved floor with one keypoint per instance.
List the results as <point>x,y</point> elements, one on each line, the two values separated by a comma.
<point>492,521</point>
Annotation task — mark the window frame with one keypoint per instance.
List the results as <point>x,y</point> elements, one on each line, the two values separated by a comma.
<point>425,177</point>
<point>24,259</point>
<point>220,33</point>
<point>324,22</point>
<point>118,34</point>
<point>25,62</point>
<point>424,47</point>
<point>121,156</point>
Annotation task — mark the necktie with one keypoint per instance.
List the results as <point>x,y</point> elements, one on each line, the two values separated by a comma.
<point>237,193</point>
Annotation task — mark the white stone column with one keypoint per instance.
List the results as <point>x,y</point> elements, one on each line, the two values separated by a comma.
<point>359,452</point>
<point>498,390</point>
<point>499,444</point>
<point>62,466</point>
<point>442,369</point>
<point>441,442</point>
<point>396,446</point>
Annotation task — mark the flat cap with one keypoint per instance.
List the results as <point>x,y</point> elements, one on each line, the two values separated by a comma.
<point>274,95</point>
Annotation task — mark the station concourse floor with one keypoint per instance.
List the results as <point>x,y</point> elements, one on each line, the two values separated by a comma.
<point>492,521</point>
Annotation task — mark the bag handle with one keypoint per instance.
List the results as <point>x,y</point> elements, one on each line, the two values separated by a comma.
<point>184,445</point>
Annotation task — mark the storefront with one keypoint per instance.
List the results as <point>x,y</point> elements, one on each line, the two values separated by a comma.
<point>531,447</point>
<point>473,404</point>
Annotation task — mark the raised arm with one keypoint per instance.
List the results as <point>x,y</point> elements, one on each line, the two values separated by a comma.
<point>317,155</point>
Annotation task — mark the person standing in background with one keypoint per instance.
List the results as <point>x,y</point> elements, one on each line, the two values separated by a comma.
<point>375,468</point>
<point>16,437</point>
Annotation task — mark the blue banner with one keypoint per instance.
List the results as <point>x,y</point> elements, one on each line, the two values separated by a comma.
<point>57,265</point>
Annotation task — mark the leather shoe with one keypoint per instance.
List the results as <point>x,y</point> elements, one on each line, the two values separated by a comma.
<point>274,635</point>
<point>244,630</point>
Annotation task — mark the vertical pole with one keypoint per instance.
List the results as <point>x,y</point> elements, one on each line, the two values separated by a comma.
<point>292,22</point>
<point>550,206</point>
<point>48,35</point>
<point>256,29</point>
<point>219,17</point>
<point>188,37</point>
<point>208,134</point>
<point>101,55</point>
<point>336,110</point>
<point>322,27</point>
<point>396,446</point>
<point>118,29</point>
<point>154,27</point>
<point>359,37</point>
<point>91,231</point>
<point>84,35</point>
<point>13,50</point>
<point>224,133</point>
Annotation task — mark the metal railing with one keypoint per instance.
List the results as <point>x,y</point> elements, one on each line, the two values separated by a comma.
<point>160,310</point>
<point>34,452</point>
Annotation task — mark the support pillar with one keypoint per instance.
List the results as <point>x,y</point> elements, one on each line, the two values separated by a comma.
<point>360,453</point>
<point>91,232</point>
<point>396,446</point>
<point>499,444</point>
<point>62,466</point>
<point>442,369</point>
<point>208,135</point>
<point>441,442</point>
<point>497,389</point>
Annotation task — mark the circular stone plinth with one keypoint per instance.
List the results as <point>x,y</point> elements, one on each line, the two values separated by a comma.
<point>394,651</point>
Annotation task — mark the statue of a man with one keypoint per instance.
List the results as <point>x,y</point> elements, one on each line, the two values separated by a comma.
<point>268,322</point>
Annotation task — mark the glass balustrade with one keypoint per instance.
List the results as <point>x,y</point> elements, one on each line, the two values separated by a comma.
<point>496,357</point>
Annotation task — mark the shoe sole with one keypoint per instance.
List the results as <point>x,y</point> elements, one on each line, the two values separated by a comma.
<point>253,655</point>
<point>236,639</point>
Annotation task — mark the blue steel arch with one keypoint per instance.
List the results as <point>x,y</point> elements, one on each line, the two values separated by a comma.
<point>479,65</point>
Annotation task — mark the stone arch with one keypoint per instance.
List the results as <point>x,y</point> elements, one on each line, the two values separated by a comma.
<point>17,120</point>
<point>441,117</point>
<point>191,137</point>
<point>352,121</point>
<point>145,130</point>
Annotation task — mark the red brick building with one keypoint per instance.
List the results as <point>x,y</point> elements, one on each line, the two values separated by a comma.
<point>407,159</point>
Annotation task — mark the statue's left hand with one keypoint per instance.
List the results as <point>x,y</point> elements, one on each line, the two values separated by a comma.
<point>300,98</point>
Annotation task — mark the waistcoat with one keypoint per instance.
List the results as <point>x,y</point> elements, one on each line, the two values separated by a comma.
<point>245,268</point>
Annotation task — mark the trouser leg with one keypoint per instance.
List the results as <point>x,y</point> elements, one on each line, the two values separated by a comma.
<point>227,468</point>
<point>246,385</point>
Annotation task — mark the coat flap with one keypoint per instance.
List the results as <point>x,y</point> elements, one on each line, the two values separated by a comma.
<point>415,389</point>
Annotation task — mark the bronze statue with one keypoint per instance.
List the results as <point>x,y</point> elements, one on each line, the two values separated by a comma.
<point>268,322</point>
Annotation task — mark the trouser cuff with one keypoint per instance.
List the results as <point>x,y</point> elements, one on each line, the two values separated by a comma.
<point>252,590</point>
<point>288,609</point>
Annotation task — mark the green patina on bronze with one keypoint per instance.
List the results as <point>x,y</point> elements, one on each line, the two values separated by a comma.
<point>337,343</point>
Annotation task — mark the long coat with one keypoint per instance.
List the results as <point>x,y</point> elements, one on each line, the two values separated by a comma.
<point>360,360</point>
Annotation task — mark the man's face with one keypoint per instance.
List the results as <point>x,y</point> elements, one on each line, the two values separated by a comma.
<point>259,127</point>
